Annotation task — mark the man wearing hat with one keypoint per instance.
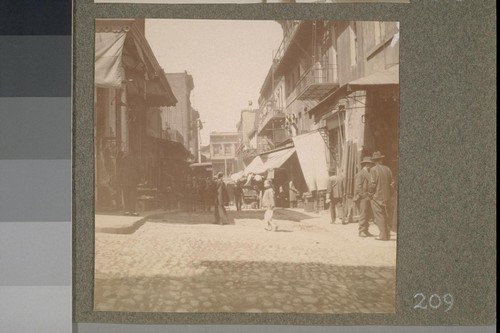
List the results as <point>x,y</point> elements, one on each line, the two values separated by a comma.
<point>221,199</point>
<point>381,184</point>
<point>334,193</point>
<point>362,195</point>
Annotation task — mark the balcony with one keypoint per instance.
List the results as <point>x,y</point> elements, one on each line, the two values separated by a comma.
<point>291,33</point>
<point>272,140</point>
<point>315,84</point>
<point>269,114</point>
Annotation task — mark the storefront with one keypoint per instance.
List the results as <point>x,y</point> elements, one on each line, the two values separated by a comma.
<point>128,82</point>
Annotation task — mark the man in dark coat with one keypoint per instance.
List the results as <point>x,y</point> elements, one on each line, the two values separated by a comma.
<point>362,195</point>
<point>129,177</point>
<point>381,185</point>
<point>221,200</point>
<point>238,196</point>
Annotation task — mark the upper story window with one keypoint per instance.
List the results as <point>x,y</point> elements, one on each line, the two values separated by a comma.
<point>217,150</point>
<point>227,150</point>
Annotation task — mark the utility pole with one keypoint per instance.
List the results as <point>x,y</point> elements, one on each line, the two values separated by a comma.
<point>199,140</point>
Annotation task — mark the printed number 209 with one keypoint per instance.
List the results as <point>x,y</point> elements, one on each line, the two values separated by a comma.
<point>434,302</point>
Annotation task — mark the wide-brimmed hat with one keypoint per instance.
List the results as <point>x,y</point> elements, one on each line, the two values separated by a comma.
<point>366,160</point>
<point>377,155</point>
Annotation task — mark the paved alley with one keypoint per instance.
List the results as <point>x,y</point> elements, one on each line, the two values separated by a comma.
<point>182,263</point>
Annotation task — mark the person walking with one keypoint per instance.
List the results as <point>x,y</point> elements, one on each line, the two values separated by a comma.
<point>238,196</point>
<point>362,196</point>
<point>268,203</point>
<point>381,183</point>
<point>129,179</point>
<point>334,193</point>
<point>221,200</point>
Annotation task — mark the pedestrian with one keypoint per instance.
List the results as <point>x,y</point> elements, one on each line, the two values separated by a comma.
<point>293,192</point>
<point>129,180</point>
<point>268,203</point>
<point>281,198</point>
<point>335,193</point>
<point>381,184</point>
<point>210,191</point>
<point>362,196</point>
<point>221,200</point>
<point>238,196</point>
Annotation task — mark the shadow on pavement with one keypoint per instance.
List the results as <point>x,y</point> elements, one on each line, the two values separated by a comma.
<point>239,286</point>
<point>209,218</point>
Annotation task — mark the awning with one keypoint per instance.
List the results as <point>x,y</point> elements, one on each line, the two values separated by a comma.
<point>109,72</point>
<point>238,175</point>
<point>174,150</point>
<point>272,160</point>
<point>312,154</point>
<point>385,78</point>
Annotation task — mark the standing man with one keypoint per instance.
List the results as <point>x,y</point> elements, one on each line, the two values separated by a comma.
<point>129,179</point>
<point>268,203</point>
<point>362,196</point>
<point>221,200</point>
<point>334,193</point>
<point>381,184</point>
<point>293,192</point>
<point>238,196</point>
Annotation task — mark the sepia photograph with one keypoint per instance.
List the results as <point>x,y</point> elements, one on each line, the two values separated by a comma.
<point>246,166</point>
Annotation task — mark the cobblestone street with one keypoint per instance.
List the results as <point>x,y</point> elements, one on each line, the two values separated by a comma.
<point>182,263</point>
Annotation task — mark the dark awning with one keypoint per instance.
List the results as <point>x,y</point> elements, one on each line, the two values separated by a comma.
<point>385,78</point>
<point>174,149</point>
<point>113,45</point>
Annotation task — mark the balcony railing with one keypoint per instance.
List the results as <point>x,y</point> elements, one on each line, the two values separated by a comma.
<point>269,112</point>
<point>278,55</point>
<point>325,76</point>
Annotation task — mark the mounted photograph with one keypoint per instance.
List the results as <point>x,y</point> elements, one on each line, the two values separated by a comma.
<point>247,1</point>
<point>246,166</point>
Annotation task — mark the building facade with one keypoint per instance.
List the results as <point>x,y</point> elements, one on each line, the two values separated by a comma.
<point>223,146</point>
<point>181,120</point>
<point>130,87</point>
<point>338,80</point>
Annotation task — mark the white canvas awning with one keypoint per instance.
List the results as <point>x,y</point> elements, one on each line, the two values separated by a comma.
<point>269,161</point>
<point>109,72</point>
<point>312,154</point>
<point>237,176</point>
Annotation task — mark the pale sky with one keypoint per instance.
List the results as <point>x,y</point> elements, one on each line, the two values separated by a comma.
<point>228,60</point>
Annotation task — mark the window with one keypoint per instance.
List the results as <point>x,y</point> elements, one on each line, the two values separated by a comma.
<point>217,150</point>
<point>227,150</point>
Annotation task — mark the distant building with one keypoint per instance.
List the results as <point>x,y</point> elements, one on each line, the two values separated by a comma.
<point>179,120</point>
<point>223,147</point>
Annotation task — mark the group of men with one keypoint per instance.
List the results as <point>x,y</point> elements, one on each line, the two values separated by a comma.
<point>374,185</point>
